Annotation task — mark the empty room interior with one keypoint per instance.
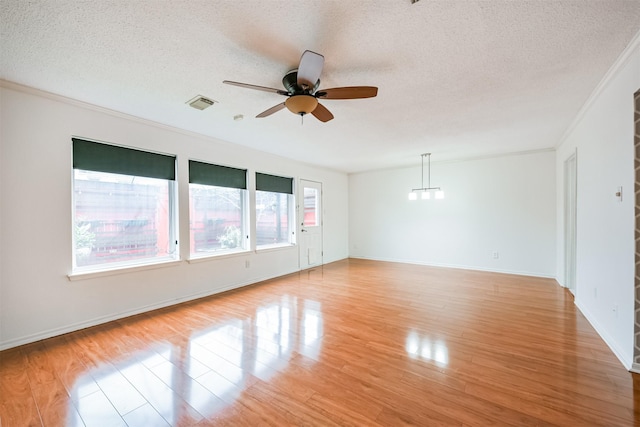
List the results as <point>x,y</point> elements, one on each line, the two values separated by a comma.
<point>312,213</point>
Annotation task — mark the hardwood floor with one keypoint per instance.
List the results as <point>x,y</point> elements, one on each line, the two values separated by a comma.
<point>356,342</point>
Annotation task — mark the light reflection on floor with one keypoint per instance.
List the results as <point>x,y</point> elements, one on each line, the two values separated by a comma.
<point>425,348</point>
<point>175,382</point>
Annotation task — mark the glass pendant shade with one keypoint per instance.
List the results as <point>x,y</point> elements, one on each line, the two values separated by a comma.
<point>439,194</point>
<point>426,195</point>
<point>413,196</point>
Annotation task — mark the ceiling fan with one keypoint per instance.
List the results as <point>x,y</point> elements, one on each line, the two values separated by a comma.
<point>301,89</point>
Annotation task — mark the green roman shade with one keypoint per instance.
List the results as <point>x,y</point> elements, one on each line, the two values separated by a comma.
<point>94,156</point>
<point>274,184</point>
<point>219,176</point>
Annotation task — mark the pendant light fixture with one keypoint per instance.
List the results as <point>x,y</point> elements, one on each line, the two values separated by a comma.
<point>426,192</point>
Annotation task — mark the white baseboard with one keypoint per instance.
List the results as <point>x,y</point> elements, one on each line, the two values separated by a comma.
<point>4,345</point>
<point>635,368</point>
<point>458,266</point>
<point>624,359</point>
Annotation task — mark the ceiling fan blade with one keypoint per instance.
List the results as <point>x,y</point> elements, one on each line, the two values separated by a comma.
<point>321,113</point>
<point>271,110</point>
<point>349,92</point>
<point>262,88</point>
<point>310,68</point>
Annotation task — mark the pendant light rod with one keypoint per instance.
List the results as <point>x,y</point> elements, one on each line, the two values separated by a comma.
<point>428,187</point>
<point>428,170</point>
<point>422,177</point>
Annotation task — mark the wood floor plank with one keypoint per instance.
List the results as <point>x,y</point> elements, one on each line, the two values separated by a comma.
<point>289,402</point>
<point>17,404</point>
<point>355,342</point>
<point>38,364</point>
<point>55,406</point>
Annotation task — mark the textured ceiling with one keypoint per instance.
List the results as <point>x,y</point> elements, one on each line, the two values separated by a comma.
<point>456,78</point>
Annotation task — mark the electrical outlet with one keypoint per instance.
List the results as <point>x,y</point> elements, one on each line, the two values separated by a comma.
<point>496,255</point>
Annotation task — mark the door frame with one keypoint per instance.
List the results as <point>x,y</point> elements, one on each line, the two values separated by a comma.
<point>300,205</point>
<point>570,221</point>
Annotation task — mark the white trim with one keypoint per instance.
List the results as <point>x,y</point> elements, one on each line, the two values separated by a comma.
<point>465,159</point>
<point>620,62</point>
<point>635,368</point>
<point>497,155</point>
<point>604,335</point>
<point>109,318</point>
<point>460,267</point>
<point>214,256</point>
<point>570,217</point>
<point>318,229</point>
<point>275,247</point>
<point>83,275</point>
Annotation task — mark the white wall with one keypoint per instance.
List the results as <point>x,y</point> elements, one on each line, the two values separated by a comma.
<point>37,299</point>
<point>504,204</point>
<point>603,137</point>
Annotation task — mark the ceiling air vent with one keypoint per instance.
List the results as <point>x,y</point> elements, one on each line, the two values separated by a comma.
<point>200,102</point>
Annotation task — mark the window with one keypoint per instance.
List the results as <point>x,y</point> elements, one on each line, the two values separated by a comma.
<point>311,209</point>
<point>124,206</point>
<point>217,209</point>
<point>274,210</point>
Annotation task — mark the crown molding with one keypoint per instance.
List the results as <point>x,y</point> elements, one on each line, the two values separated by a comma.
<point>618,65</point>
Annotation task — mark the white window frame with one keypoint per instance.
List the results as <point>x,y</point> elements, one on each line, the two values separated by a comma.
<point>244,200</point>
<point>96,270</point>
<point>291,216</point>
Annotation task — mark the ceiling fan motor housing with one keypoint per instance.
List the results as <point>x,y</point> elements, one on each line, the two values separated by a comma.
<point>301,100</point>
<point>290,83</point>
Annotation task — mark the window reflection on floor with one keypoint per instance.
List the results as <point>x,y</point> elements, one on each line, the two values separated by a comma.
<point>273,335</point>
<point>425,348</point>
<point>221,349</point>
<point>176,380</point>
<point>313,329</point>
<point>106,394</point>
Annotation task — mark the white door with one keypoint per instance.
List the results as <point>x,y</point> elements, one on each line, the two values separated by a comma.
<point>570,226</point>
<point>310,215</point>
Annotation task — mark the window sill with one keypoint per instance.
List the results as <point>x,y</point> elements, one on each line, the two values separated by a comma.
<point>220,255</point>
<point>275,247</point>
<point>91,274</point>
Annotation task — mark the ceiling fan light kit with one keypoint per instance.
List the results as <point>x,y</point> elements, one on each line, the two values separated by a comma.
<point>301,104</point>
<point>302,92</point>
